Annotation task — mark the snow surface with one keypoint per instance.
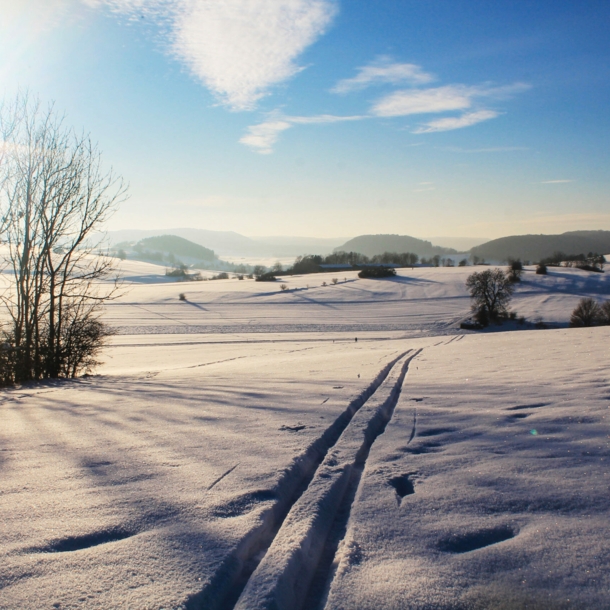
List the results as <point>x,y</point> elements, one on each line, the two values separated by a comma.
<point>235,448</point>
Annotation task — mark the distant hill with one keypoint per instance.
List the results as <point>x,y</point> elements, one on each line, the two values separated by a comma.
<point>461,244</point>
<point>222,242</point>
<point>177,246</point>
<point>370,245</point>
<point>229,243</point>
<point>535,247</point>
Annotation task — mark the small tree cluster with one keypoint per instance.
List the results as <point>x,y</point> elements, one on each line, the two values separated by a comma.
<point>266,277</point>
<point>310,263</point>
<point>514,271</point>
<point>589,312</point>
<point>377,272</point>
<point>590,262</point>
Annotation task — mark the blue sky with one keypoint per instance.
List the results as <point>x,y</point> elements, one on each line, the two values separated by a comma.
<point>332,118</point>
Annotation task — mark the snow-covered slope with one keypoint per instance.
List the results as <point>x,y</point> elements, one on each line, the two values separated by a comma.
<point>429,300</point>
<point>216,464</point>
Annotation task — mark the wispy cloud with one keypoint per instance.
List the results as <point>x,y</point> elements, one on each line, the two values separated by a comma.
<point>263,136</point>
<point>449,123</point>
<point>383,70</point>
<point>440,99</point>
<point>238,49</point>
<point>420,101</point>
<point>555,181</point>
<point>494,149</point>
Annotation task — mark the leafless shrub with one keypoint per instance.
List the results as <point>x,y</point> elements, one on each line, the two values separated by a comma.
<point>586,313</point>
<point>54,194</point>
<point>604,313</point>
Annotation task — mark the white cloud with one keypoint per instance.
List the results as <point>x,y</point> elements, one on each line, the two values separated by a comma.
<point>449,123</point>
<point>440,99</point>
<point>263,136</point>
<point>383,71</point>
<point>555,181</point>
<point>420,101</point>
<point>495,149</point>
<point>238,49</point>
<point>323,118</point>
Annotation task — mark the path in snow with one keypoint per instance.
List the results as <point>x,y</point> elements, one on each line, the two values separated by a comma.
<point>157,488</point>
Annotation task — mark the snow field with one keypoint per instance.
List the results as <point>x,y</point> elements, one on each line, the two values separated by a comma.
<point>428,300</point>
<point>490,487</point>
<point>222,455</point>
<point>152,490</point>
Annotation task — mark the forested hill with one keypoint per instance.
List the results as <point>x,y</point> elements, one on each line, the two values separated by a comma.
<point>177,246</point>
<point>370,245</point>
<point>535,247</point>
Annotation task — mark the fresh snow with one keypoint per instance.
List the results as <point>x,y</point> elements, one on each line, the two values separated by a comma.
<point>242,450</point>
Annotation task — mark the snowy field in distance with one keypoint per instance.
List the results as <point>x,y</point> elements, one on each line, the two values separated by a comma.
<point>234,436</point>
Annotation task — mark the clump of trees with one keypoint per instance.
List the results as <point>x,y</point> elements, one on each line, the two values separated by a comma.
<point>589,312</point>
<point>181,272</point>
<point>588,262</point>
<point>491,291</point>
<point>377,272</point>
<point>266,277</point>
<point>310,263</point>
<point>54,193</point>
<point>514,271</point>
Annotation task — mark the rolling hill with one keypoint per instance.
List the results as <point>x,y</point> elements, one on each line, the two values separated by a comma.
<point>370,245</point>
<point>177,246</point>
<point>536,247</point>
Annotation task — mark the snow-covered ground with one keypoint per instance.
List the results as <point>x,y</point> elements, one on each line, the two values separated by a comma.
<point>242,450</point>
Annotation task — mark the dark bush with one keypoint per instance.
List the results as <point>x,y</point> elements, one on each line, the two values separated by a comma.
<point>604,313</point>
<point>514,271</point>
<point>541,269</point>
<point>587,267</point>
<point>377,272</point>
<point>266,277</point>
<point>586,313</point>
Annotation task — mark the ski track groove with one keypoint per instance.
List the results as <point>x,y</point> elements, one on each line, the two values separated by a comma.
<point>222,476</point>
<point>222,591</point>
<point>414,429</point>
<point>297,567</point>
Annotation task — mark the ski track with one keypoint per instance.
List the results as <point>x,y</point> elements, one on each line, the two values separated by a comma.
<point>222,591</point>
<point>296,569</point>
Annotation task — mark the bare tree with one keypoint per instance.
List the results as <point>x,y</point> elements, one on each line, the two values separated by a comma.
<point>586,313</point>
<point>54,193</point>
<point>604,313</point>
<point>491,292</point>
<point>515,270</point>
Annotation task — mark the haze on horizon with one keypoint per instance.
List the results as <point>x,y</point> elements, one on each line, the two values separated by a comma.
<point>324,118</point>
